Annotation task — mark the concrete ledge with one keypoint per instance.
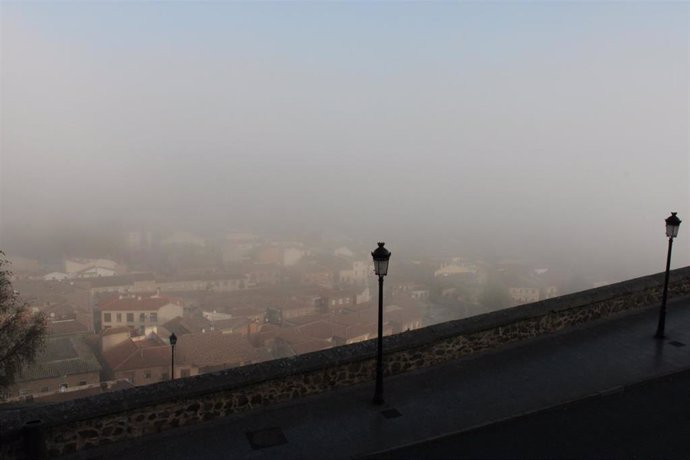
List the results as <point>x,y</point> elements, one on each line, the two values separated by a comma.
<point>117,416</point>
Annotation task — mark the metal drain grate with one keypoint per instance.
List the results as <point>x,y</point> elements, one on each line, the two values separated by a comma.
<point>391,413</point>
<point>267,437</point>
<point>676,343</point>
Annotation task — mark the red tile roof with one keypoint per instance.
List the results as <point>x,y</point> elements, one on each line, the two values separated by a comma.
<point>212,350</point>
<point>308,346</point>
<point>230,324</point>
<point>116,330</point>
<point>158,356</point>
<point>138,303</point>
<point>142,354</point>
<point>66,327</point>
<point>186,325</point>
<point>119,353</point>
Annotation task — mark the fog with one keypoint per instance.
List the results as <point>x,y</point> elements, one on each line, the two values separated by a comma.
<point>552,131</point>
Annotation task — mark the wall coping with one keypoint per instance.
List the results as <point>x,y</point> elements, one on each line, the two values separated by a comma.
<point>122,401</point>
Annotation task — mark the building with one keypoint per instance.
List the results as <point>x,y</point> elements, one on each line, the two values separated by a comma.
<point>86,268</point>
<point>202,353</point>
<point>183,239</point>
<point>524,294</point>
<point>237,247</point>
<point>65,363</point>
<point>67,327</point>
<point>139,312</point>
<point>286,256</point>
<point>55,276</point>
<point>139,360</point>
<point>360,273</point>
<point>134,282</point>
<point>216,282</point>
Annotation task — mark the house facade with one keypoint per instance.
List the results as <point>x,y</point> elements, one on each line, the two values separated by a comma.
<point>139,312</point>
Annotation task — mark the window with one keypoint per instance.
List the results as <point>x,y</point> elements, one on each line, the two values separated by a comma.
<point>107,317</point>
<point>153,317</point>
<point>142,317</point>
<point>82,383</point>
<point>147,374</point>
<point>118,317</point>
<point>130,317</point>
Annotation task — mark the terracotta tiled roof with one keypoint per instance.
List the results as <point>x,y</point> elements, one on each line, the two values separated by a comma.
<point>61,356</point>
<point>306,319</point>
<point>404,315</point>
<point>186,325</point>
<point>232,323</point>
<point>252,312</point>
<point>158,356</point>
<point>308,346</point>
<point>363,329</point>
<point>119,353</point>
<point>130,355</point>
<point>66,327</point>
<point>323,330</point>
<point>213,350</point>
<point>138,303</point>
<point>115,330</point>
<point>60,309</point>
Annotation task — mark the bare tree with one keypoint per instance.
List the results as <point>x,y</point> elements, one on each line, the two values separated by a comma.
<point>21,331</point>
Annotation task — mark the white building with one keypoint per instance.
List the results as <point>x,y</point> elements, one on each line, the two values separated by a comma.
<point>139,312</point>
<point>360,273</point>
<point>74,266</point>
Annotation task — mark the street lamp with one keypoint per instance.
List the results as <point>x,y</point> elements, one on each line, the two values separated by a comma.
<point>173,341</point>
<point>672,225</point>
<point>381,257</point>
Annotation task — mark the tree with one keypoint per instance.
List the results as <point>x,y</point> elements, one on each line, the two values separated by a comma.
<point>22,332</point>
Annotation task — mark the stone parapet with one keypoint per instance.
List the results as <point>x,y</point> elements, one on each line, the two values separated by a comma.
<point>118,416</point>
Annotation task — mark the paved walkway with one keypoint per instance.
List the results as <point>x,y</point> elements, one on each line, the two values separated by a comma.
<point>432,403</point>
<point>649,420</point>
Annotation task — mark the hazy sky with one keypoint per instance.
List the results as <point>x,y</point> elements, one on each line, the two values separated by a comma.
<point>557,127</point>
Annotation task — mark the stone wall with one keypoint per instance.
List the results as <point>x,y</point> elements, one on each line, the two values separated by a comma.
<point>117,416</point>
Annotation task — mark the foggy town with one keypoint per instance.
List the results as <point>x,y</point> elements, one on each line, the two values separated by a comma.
<point>192,193</point>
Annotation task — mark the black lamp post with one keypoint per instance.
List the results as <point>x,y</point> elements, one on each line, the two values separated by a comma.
<point>173,341</point>
<point>672,225</point>
<point>381,256</point>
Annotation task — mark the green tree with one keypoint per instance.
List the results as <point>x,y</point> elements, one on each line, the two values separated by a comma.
<point>21,331</point>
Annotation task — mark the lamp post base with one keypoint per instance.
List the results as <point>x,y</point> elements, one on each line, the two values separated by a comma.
<point>378,400</point>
